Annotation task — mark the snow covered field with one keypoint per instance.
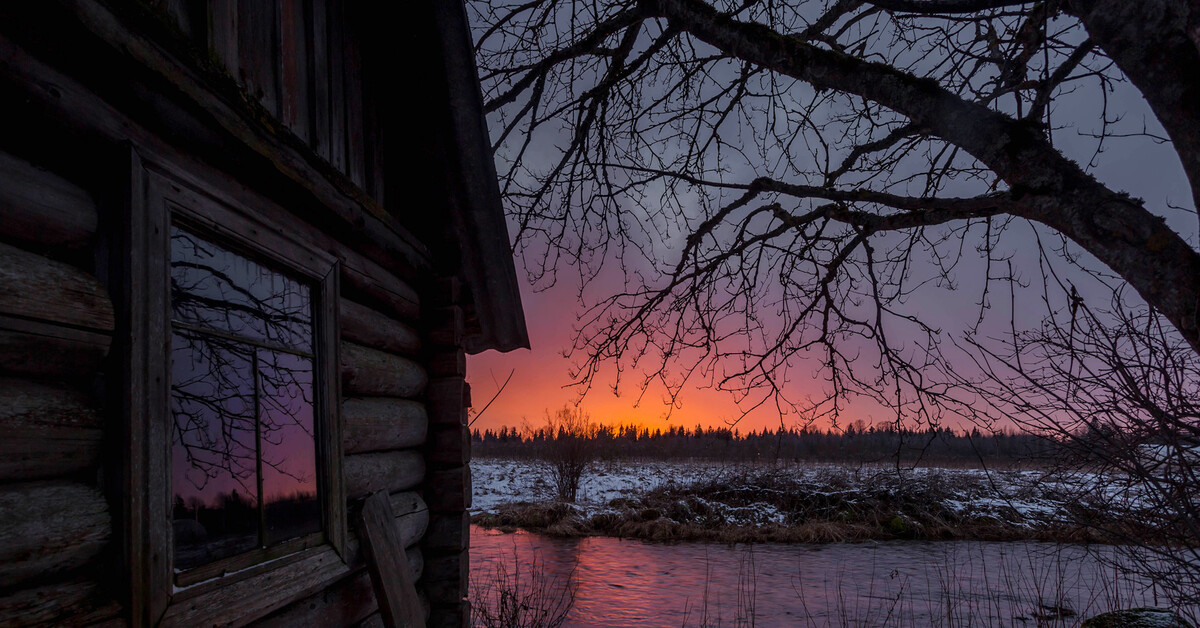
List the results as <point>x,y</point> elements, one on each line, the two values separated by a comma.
<point>497,482</point>
<point>1018,498</point>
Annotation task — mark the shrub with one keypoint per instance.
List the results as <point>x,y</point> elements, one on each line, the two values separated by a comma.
<point>569,448</point>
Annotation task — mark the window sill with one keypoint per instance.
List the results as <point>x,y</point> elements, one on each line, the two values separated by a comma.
<point>240,597</point>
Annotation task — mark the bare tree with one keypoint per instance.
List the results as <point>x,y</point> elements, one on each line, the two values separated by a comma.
<point>568,445</point>
<point>771,175</point>
<point>785,184</point>
<point>1120,394</point>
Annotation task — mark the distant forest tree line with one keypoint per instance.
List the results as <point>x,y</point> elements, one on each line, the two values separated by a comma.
<point>858,443</point>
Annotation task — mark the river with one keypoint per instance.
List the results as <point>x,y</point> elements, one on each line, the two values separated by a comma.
<point>623,582</point>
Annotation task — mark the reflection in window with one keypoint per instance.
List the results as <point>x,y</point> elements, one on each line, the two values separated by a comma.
<point>244,465</point>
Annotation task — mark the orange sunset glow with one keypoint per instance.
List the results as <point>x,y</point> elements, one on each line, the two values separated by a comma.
<point>541,381</point>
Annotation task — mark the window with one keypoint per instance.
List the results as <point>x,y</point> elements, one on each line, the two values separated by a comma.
<point>234,459</point>
<point>243,447</point>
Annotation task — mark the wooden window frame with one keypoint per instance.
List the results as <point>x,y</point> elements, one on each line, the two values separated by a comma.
<point>159,196</point>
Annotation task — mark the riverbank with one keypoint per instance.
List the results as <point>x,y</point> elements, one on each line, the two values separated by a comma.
<point>673,501</point>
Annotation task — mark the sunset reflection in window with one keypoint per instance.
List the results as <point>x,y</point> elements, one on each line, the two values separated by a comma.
<point>244,464</point>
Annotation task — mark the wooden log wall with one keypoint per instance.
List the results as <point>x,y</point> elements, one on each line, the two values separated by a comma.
<point>448,455</point>
<point>56,327</point>
<point>402,364</point>
<point>302,61</point>
<point>404,417</point>
<point>385,430</point>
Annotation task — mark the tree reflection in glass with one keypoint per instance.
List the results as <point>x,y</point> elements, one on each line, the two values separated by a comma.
<point>244,454</point>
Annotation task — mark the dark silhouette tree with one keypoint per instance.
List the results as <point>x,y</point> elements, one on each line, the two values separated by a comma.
<point>784,184</point>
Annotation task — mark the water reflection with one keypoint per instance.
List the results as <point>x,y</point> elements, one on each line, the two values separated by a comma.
<point>244,453</point>
<point>633,583</point>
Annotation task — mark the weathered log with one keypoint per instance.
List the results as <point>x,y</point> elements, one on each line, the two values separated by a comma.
<point>449,446</point>
<point>392,471</point>
<point>35,287</point>
<point>449,490</point>
<point>48,527</point>
<point>68,604</point>
<point>448,363</point>
<point>445,579</point>
<point>370,328</point>
<point>447,325</point>
<point>448,401</point>
<point>412,516</point>
<point>412,519</point>
<point>448,533</point>
<point>367,371</point>
<point>367,279</point>
<point>54,318</point>
<point>38,206</point>
<point>416,561</point>
<point>46,349</point>
<point>45,430</point>
<point>354,556</point>
<point>381,423</point>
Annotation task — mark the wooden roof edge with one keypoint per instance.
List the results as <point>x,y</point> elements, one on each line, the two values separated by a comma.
<point>487,256</point>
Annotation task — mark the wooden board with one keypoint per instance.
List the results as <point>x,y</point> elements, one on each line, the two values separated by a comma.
<point>353,98</point>
<point>258,51</point>
<point>293,77</point>
<point>222,33</point>
<point>253,597</point>
<point>384,551</point>
<point>346,602</point>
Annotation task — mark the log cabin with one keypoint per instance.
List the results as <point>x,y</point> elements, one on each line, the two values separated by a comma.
<point>245,247</point>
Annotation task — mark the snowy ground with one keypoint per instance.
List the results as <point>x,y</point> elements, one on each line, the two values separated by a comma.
<point>1016,497</point>
<point>497,482</point>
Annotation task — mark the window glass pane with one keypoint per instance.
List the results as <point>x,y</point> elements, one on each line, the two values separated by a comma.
<point>214,288</point>
<point>289,455</point>
<point>214,453</point>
